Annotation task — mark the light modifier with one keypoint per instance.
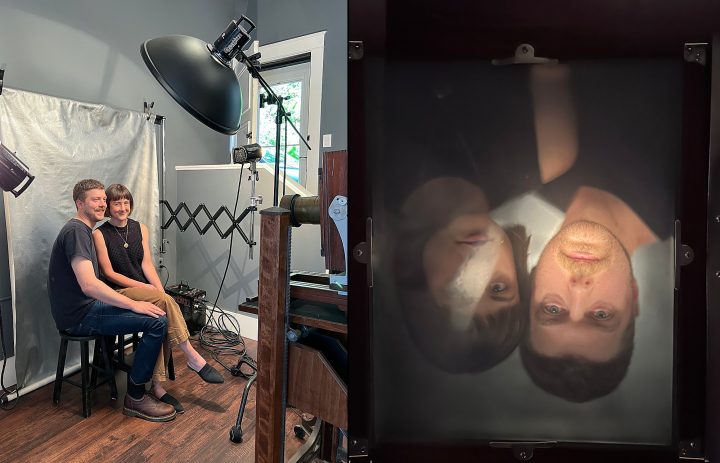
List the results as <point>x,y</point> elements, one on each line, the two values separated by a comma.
<point>13,172</point>
<point>199,76</point>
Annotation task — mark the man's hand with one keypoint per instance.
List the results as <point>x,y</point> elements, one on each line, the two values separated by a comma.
<point>147,308</point>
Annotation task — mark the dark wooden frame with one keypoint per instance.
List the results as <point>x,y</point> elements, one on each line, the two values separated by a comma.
<point>589,29</point>
<point>289,374</point>
<point>712,406</point>
<point>271,351</point>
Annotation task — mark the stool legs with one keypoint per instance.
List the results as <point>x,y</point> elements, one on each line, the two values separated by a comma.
<point>109,373</point>
<point>97,356</point>
<point>88,381</point>
<point>60,371</point>
<point>171,367</point>
<point>101,363</point>
<point>84,380</point>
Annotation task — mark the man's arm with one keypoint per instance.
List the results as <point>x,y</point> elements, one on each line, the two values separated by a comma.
<point>92,287</point>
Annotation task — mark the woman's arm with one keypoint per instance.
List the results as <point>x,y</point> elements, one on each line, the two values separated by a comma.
<point>106,266</point>
<point>147,264</point>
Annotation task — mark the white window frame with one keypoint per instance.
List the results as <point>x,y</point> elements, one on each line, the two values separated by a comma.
<point>315,45</point>
<point>284,75</point>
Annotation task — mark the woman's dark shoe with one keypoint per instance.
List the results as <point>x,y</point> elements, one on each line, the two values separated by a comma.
<point>209,374</point>
<point>168,399</point>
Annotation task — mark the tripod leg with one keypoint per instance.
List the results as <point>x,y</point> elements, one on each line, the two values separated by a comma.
<point>236,431</point>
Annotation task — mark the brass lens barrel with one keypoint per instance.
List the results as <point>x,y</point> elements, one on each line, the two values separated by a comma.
<point>303,210</point>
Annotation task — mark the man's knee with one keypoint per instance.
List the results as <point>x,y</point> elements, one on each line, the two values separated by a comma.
<point>159,325</point>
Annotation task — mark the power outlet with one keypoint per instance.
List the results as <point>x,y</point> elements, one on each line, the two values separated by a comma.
<point>160,260</point>
<point>327,140</point>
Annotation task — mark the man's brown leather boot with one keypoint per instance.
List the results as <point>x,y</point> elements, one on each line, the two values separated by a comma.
<point>148,408</point>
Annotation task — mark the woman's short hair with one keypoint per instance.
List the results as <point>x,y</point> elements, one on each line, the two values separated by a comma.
<point>490,338</point>
<point>116,192</point>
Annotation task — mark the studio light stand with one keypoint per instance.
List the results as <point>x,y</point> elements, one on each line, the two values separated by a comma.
<point>280,116</point>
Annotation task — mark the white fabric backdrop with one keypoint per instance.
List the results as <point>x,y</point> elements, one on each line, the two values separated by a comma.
<point>63,141</point>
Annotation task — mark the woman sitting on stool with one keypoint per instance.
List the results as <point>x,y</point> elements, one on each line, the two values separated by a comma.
<point>125,262</point>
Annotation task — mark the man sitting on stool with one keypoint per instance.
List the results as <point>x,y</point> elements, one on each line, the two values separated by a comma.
<point>83,305</point>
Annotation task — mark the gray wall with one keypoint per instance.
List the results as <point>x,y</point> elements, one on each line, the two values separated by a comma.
<point>88,50</point>
<point>278,20</point>
<point>202,259</point>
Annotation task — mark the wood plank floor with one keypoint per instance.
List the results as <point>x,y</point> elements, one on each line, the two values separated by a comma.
<point>38,431</point>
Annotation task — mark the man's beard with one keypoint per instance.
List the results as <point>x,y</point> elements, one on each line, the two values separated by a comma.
<point>591,238</point>
<point>92,214</point>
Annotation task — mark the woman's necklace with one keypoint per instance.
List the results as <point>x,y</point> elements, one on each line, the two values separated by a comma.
<point>127,232</point>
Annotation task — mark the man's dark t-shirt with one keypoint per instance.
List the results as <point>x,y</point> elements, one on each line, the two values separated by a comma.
<point>68,303</point>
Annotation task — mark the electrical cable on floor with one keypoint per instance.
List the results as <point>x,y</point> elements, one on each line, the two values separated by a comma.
<point>5,402</point>
<point>221,335</point>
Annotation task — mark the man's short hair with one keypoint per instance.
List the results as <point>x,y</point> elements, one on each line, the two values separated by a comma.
<point>83,186</point>
<point>116,192</point>
<point>576,378</point>
<point>489,340</point>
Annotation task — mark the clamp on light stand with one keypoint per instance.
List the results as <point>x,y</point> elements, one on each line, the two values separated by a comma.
<point>250,154</point>
<point>254,201</point>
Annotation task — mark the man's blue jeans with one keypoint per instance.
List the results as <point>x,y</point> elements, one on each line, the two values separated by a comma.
<point>105,319</point>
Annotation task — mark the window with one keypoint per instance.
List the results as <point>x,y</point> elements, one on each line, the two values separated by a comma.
<point>290,83</point>
<point>284,65</point>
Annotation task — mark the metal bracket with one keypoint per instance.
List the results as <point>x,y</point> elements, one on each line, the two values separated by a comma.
<point>685,255</point>
<point>356,50</point>
<point>523,451</point>
<point>338,212</point>
<point>524,54</point>
<point>357,447</point>
<point>147,109</point>
<point>311,448</point>
<point>212,219</point>
<point>691,450</point>
<point>362,252</point>
<point>696,53</point>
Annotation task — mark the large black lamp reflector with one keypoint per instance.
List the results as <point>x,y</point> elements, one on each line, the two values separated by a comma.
<point>202,83</point>
<point>13,172</point>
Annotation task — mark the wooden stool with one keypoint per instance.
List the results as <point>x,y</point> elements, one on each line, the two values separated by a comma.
<point>88,383</point>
